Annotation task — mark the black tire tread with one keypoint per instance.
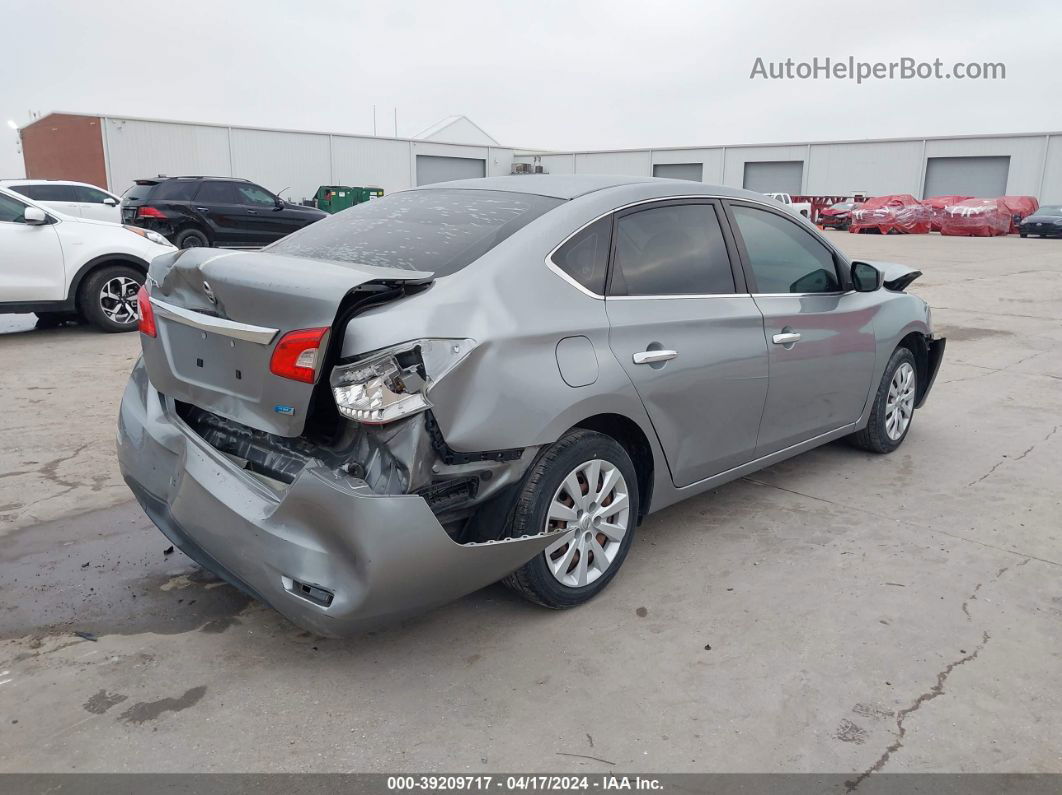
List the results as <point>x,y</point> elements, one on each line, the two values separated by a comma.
<point>520,580</point>
<point>873,437</point>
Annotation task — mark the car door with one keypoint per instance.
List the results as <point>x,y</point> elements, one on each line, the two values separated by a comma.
<point>220,207</point>
<point>31,258</point>
<point>688,334</point>
<point>265,218</point>
<point>98,204</point>
<point>819,332</point>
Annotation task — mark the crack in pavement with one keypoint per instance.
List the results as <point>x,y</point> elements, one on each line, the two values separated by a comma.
<point>1004,459</point>
<point>901,716</point>
<point>907,522</point>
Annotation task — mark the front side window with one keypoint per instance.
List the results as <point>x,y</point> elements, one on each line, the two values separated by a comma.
<point>785,258</point>
<point>89,195</point>
<point>671,250</point>
<point>585,256</point>
<point>11,210</point>
<point>252,194</point>
<point>437,230</point>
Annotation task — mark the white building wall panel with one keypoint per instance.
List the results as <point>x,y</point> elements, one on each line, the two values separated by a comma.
<point>874,168</point>
<point>1051,193</point>
<point>633,163</point>
<point>710,159</point>
<point>371,162</point>
<point>1026,157</point>
<point>737,156</point>
<point>553,164</point>
<point>279,160</point>
<point>137,149</point>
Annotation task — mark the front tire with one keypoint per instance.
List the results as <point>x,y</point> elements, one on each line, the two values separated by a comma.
<point>893,408</point>
<point>585,484</point>
<point>107,298</point>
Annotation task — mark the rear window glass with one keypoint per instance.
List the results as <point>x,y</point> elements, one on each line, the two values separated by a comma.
<point>439,231</point>
<point>137,193</point>
<point>48,193</point>
<point>175,190</point>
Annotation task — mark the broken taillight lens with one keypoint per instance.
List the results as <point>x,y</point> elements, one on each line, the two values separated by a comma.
<point>393,384</point>
<point>298,354</point>
<point>146,314</point>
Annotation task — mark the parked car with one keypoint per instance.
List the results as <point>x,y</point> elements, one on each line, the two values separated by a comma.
<point>839,215</point>
<point>77,199</point>
<point>213,211</point>
<point>60,266</point>
<point>895,214</point>
<point>498,379</point>
<point>800,208</point>
<point>1045,222</point>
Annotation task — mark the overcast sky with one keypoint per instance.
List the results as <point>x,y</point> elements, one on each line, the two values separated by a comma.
<point>557,75</point>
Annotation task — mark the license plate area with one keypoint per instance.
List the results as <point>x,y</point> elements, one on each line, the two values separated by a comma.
<point>215,361</point>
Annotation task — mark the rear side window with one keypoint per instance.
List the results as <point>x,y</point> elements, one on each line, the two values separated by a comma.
<point>585,256</point>
<point>178,190</point>
<point>439,231</point>
<point>672,250</point>
<point>48,193</point>
<point>217,193</point>
<point>11,210</point>
<point>785,258</point>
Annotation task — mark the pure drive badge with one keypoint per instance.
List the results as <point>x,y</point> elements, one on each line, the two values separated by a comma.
<point>289,410</point>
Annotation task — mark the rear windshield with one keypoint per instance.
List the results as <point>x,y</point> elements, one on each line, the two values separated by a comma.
<point>439,231</point>
<point>137,192</point>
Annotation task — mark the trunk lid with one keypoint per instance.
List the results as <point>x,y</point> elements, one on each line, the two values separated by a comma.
<point>220,315</point>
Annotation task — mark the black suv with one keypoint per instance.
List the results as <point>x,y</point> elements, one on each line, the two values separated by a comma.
<point>213,211</point>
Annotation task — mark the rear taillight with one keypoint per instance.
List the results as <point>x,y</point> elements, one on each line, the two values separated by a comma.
<point>146,313</point>
<point>149,212</point>
<point>298,354</point>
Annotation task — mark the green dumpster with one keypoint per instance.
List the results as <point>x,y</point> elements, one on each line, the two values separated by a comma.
<point>333,198</point>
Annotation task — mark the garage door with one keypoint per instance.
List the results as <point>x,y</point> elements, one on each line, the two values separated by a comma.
<point>691,171</point>
<point>779,176</point>
<point>966,176</point>
<point>431,168</point>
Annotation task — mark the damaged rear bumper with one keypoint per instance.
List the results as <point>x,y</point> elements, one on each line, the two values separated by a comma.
<point>325,551</point>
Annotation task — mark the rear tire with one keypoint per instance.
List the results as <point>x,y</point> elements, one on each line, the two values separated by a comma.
<point>580,563</point>
<point>191,238</point>
<point>1023,234</point>
<point>893,408</point>
<point>107,298</point>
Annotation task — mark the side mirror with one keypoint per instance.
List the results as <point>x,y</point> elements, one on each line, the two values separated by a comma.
<point>866,278</point>
<point>110,202</point>
<point>34,216</point>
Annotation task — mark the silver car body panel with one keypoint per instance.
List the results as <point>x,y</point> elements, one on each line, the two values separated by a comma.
<point>548,355</point>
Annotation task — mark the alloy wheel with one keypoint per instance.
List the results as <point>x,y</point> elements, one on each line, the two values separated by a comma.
<point>899,405</point>
<point>593,504</point>
<point>118,300</point>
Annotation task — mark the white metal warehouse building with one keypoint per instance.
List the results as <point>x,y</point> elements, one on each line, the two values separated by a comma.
<point>131,148</point>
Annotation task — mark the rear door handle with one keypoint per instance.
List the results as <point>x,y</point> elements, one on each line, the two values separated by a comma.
<point>203,209</point>
<point>651,357</point>
<point>252,212</point>
<point>786,338</point>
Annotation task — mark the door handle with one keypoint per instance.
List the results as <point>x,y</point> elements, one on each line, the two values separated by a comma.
<point>252,212</point>
<point>651,357</point>
<point>203,209</point>
<point>786,338</point>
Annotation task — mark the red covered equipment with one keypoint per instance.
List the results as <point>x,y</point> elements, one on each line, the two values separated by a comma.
<point>977,218</point>
<point>937,205</point>
<point>897,213</point>
<point>1020,207</point>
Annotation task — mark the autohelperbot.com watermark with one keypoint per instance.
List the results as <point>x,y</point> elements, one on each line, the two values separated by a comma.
<point>851,68</point>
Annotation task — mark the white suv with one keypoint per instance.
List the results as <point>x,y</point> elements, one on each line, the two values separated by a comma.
<point>61,266</point>
<point>78,199</point>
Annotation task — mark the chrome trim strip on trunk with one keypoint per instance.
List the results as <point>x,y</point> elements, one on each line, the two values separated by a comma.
<point>217,325</point>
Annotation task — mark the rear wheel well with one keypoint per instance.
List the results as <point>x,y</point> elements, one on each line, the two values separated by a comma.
<point>633,439</point>
<point>915,342</point>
